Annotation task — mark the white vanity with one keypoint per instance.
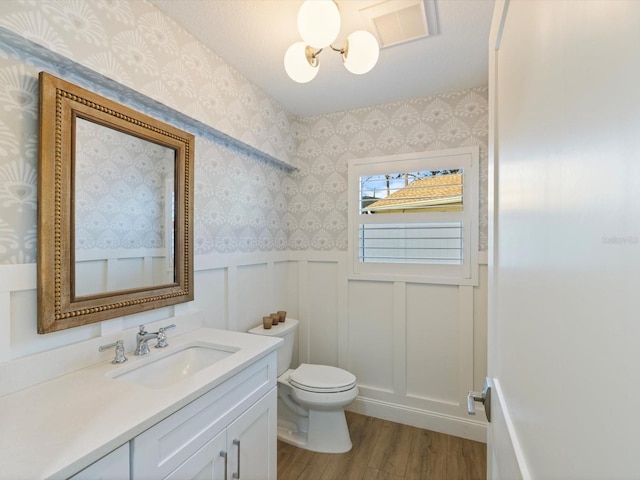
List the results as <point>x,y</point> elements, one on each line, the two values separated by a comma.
<point>204,407</point>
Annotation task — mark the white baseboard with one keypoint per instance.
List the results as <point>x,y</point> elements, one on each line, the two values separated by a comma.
<point>437,422</point>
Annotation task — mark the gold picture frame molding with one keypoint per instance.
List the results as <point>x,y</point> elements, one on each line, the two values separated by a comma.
<point>61,102</point>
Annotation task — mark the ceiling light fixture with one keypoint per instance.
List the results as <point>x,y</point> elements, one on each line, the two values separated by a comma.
<point>319,25</point>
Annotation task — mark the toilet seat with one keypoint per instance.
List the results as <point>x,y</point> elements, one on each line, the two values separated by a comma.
<point>321,379</point>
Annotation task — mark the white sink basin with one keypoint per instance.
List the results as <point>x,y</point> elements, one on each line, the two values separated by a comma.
<point>174,367</point>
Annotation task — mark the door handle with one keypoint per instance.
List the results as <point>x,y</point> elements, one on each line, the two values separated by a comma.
<point>483,397</point>
<point>237,474</point>
<point>223,454</point>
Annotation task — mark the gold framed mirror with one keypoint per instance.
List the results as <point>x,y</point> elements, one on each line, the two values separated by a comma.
<point>114,209</point>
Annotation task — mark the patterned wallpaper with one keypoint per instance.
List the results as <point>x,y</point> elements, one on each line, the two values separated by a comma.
<point>239,205</point>
<point>243,203</point>
<point>136,45</point>
<point>120,189</point>
<point>18,161</point>
<point>317,191</point>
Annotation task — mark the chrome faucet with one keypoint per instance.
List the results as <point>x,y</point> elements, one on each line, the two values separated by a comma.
<point>120,357</point>
<point>142,337</point>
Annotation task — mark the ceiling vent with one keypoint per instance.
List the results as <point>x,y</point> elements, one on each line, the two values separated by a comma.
<point>397,21</point>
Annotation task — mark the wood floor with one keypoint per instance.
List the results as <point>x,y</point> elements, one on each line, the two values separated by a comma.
<point>387,450</point>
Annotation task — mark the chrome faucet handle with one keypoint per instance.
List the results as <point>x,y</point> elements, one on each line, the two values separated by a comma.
<point>120,357</point>
<point>162,336</point>
<point>142,337</point>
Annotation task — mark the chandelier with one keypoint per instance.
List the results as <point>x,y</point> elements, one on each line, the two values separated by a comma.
<point>319,25</point>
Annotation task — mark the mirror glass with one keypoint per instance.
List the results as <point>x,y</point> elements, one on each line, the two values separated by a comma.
<point>123,218</point>
<point>114,209</point>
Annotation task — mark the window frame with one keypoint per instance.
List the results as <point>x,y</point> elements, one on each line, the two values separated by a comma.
<point>466,158</point>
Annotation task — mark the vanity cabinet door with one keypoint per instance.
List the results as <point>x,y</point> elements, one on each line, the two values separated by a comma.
<point>165,447</point>
<point>251,441</point>
<point>114,466</point>
<point>208,463</point>
<point>246,450</point>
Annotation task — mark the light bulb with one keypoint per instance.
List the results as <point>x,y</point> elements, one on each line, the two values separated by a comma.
<point>361,53</point>
<point>297,65</point>
<point>319,22</point>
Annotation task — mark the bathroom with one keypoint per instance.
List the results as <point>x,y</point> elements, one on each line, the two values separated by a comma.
<point>270,219</point>
<point>283,253</point>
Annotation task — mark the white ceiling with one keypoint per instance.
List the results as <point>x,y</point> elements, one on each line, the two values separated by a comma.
<point>253,35</point>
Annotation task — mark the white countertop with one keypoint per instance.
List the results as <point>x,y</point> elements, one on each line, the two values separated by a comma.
<point>56,428</point>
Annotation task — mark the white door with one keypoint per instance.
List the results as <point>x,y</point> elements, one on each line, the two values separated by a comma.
<point>564,317</point>
<point>251,441</point>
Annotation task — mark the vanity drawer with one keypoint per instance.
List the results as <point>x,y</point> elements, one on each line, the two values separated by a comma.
<point>165,446</point>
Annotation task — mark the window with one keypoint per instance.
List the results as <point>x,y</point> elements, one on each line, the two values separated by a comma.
<point>414,217</point>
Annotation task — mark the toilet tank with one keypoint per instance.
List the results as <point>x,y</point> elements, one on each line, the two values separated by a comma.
<point>287,331</point>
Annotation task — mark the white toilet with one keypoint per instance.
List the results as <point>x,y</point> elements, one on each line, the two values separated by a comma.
<point>311,398</point>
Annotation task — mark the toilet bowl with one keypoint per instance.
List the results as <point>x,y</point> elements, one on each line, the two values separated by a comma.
<point>311,398</point>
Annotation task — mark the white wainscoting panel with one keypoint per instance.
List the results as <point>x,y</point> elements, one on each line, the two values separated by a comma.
<point>291,301</point>
<point>432,342</point>
<point>415,348</point>
<point>322,320</point>
<point>245,288</point>
<point>292,296</point>
<point>280,286</point>
<point>24,325</point>
<point>400,338</point>
<point>435,338</point>
<point>480,300</point>
<point>211,296</point>
<point>252,296</point>
<point>371,333</point>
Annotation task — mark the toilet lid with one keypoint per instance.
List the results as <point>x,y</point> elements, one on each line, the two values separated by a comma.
<point>322,378</point>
